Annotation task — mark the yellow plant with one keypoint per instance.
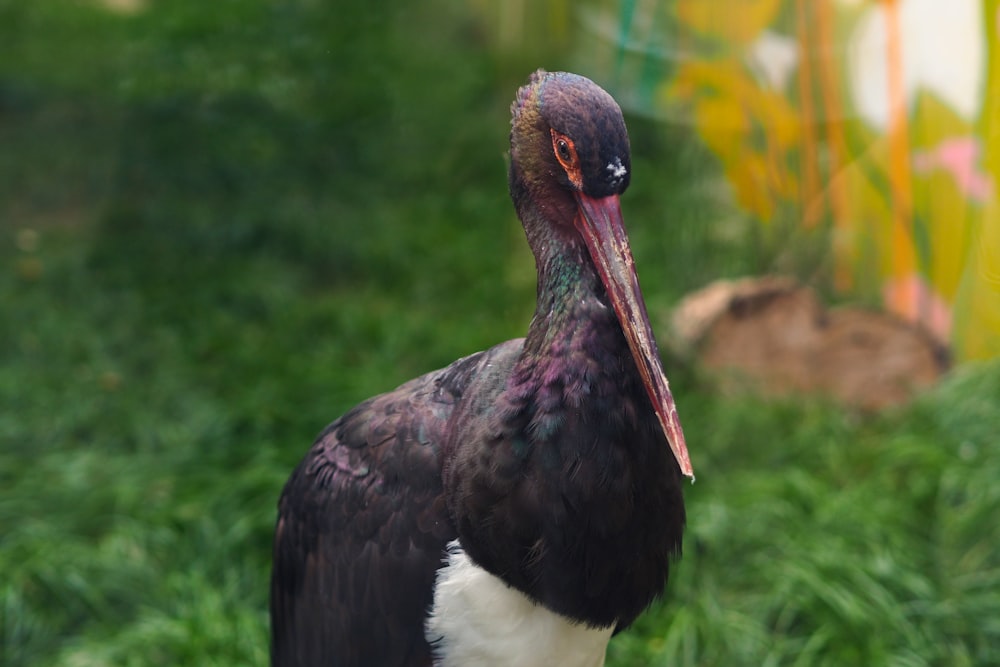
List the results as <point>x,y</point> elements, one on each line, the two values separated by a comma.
<point>913,203</point>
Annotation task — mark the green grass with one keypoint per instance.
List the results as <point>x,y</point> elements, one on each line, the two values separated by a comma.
<point>225,223</point>
<point>818,539</point>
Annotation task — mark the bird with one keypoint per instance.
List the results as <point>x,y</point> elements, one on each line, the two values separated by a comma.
<point>523,504</point>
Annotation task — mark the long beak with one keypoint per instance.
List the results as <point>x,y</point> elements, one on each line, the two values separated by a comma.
<point>601,225</point>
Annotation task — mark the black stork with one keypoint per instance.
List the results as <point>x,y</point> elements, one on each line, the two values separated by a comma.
<point>523,504</point>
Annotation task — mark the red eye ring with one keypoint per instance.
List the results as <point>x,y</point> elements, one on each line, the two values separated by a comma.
<point>565,152</point>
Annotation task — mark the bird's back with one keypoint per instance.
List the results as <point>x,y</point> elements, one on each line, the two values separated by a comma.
<point>362,528</point>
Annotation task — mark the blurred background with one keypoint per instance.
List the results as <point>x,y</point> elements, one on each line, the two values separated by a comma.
<point>224,223</point>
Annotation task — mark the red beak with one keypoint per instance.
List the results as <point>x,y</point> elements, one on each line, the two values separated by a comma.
<point>600,223</point>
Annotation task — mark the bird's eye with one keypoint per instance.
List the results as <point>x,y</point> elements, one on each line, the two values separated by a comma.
<point>563,147</point>
<point>565,152</point>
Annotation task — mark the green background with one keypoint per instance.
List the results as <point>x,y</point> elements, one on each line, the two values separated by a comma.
<point>224,223</point>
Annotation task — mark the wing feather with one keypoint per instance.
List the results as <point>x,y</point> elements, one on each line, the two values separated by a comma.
<point>362,527</point>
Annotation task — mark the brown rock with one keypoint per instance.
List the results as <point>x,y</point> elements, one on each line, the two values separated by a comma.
<point>773,336</point>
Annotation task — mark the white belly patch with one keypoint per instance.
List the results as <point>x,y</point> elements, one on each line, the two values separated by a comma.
<point>479,621</point>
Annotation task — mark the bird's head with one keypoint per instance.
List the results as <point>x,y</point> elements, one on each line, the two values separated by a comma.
<point>568,140</point>
<point>570,128</point>
<point>570,162</point>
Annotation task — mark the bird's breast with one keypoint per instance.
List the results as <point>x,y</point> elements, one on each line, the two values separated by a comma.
<point>479,621</point>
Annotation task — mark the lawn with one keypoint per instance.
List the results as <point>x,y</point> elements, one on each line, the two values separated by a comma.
<point>223,224</point>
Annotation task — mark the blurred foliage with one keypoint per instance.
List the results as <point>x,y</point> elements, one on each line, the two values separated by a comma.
<point>224,223</point>
<point>869,170</point>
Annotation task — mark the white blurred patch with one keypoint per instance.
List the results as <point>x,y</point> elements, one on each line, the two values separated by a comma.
<point>617,171</point>
<point>942,51</point>
<point>773,58</point>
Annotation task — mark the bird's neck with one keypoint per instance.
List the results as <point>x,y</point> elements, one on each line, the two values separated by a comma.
<point>569,296</point>
<point>575,356</point>
<point>569,293</point>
